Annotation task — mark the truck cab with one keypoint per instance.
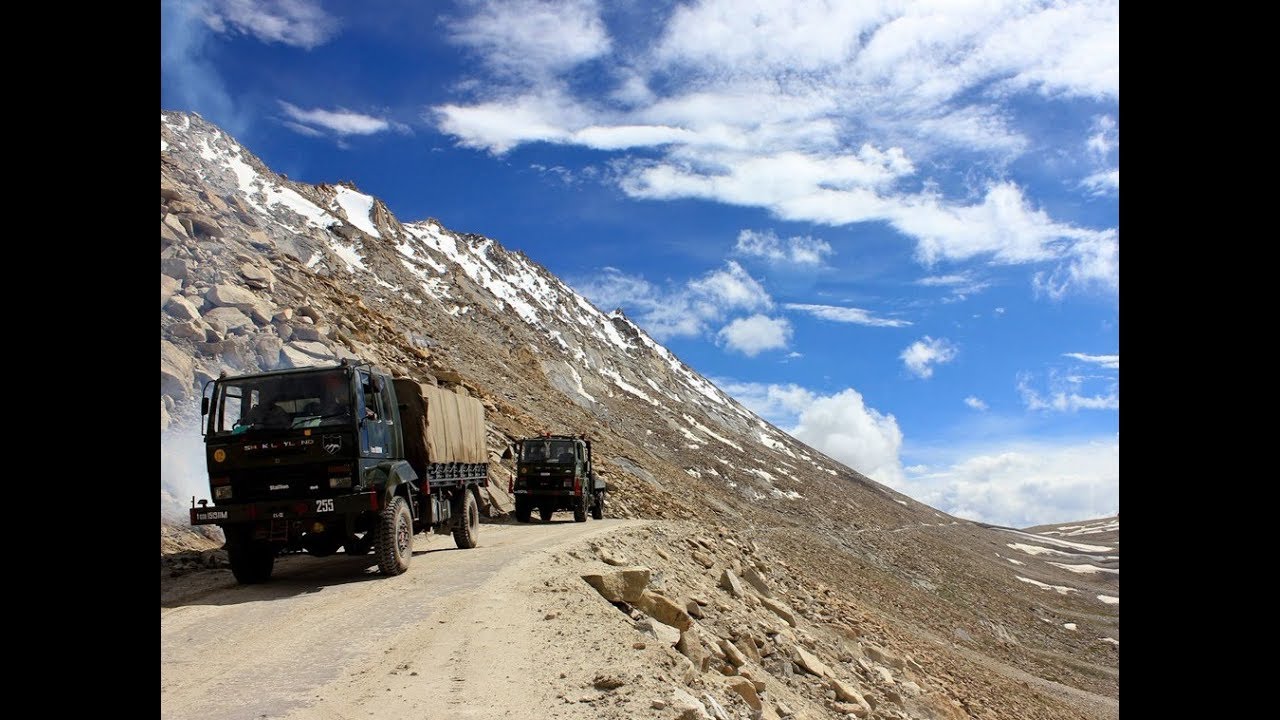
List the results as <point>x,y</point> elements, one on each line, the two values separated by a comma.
<point>555,472</point>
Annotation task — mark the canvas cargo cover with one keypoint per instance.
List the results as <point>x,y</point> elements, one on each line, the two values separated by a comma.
<point>440,426</point>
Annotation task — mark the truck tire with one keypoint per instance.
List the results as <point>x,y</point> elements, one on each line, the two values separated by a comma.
<point>395,537</point>
<point>466,529</point>
<point>251,560</point>
<point>580,508</point>
<point>597,510</point>
<point>523,510</point>
<point>546,513</point>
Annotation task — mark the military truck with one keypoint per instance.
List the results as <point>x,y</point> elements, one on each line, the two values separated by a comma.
<point>554,472</point>
<point>344,456</point>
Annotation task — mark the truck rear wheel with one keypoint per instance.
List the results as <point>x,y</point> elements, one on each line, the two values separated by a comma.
<point>546,513</point>
<point>395,537</point>
<point>580,508</point>
<point>597,509</point>
<point>466,529</point>
<point>523,509</point>
<point>251,560</point>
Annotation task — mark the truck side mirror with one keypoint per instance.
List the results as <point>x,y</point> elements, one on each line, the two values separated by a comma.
<point>204,406</point>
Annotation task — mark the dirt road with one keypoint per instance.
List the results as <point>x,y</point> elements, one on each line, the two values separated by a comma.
<point>330,638</point>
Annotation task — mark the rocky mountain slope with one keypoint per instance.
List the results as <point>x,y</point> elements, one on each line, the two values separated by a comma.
<point>258,272</point>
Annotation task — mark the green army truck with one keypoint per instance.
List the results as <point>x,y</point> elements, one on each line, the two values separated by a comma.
<point>323,458</point>
<point>554,472</point>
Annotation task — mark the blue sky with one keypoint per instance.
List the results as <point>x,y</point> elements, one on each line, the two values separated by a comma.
<point>891,228</point>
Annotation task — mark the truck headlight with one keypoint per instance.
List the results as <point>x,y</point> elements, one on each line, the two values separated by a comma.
<point>222,493</point>
<point>568,483</point>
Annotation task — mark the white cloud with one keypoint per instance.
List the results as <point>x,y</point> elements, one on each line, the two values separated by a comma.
<point>533,37</point>
<point>1024,483</point>
<point>836,313</point>
<point>839,425</point>
<point>923,354</point>
<point>1094,264</point>
<point>677,310</point>
<point>1103,182</point>
<point>1100,146</point>
<point>800,250</point>
<point>975,403</point>
<point>300,23</point>
<point>843,427</point>
<point>816,111</point>
<point>753,335</point>
<point>1018,484</point>
<point>962,285</point>
<point>1111,362</point>
<point>1064,394</point>
<point>341,121</point>
<point>1000,311</point>
<point>302,129</point>
<point>779,404</point>
<point>731,288</point>
<point>1105,139</point>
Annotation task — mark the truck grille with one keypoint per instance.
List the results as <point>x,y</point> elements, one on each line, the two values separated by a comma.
<point>303,481</point>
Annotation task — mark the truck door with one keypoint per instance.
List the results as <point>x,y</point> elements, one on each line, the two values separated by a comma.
<point>374,432</point>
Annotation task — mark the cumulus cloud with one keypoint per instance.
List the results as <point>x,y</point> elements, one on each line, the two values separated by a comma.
<point>1024,483</point>
<point>755,334</point>
<point>687,309</point>
<point>816,111</point>
<point>801,250</point>
<point>1018,484</point>
<point>836,313</point>
<point>779,404</point>
<point>921,355</point>
<point>975,403</point>
<point>340,122</point>
<point>843,427</point>
<point>299,23</point>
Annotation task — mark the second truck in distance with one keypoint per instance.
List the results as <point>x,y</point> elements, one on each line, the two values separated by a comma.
<point>554,472</point>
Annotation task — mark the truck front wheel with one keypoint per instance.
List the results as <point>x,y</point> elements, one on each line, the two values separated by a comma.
<point>395,537</point>
<point>597,509</point>
<point>466,529</point>
<point>251,560</point>
<point>523,509</point>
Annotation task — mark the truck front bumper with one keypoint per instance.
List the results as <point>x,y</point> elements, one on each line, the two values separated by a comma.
<point>285,509</point>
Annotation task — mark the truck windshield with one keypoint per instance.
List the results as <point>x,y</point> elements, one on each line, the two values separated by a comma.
<point>274,402</point>
<point>547,451</point>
